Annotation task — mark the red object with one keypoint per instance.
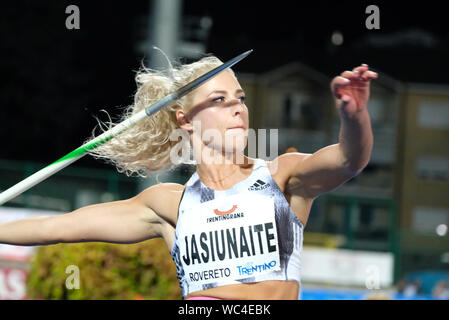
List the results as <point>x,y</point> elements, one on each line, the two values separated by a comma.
<point>13,283</point>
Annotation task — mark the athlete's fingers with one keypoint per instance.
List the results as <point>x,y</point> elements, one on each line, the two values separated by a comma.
<point>338,82</point>
<point>351,75</point>
<point>362,73</point>
<point>362,68</point>
<point>369,75</point>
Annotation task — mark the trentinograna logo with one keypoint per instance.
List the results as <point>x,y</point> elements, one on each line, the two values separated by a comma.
<point>222,213</point>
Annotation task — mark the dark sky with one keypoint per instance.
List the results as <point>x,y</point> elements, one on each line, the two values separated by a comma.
<point>301,30</point>
<point>54,80</point>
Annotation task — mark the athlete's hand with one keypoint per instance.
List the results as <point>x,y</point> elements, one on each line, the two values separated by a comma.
<point>351,90</point>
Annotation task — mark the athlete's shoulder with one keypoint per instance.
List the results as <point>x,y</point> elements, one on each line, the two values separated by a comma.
<point>285,163</point>
<point>162,189</point>
<point>163,192</point>
<point>163,198</point>
<point>169,187</point>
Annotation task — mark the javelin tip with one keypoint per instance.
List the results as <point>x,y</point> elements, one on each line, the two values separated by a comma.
<point>247,53</point>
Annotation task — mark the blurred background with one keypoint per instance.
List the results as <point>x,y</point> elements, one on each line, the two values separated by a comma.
<point>381,235</point>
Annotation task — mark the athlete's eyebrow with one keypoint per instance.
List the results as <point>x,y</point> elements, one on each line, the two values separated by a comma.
<point>225,92</point>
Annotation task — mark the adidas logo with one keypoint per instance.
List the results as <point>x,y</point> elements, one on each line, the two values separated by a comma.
<point>258,185</point>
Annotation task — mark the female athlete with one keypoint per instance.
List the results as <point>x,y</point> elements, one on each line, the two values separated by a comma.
<point>230,229</point>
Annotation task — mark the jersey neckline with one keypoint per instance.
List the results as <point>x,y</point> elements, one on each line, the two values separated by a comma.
<point>257,163</point>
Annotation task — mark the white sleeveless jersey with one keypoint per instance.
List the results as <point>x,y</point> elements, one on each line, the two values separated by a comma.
<point>244,234</point>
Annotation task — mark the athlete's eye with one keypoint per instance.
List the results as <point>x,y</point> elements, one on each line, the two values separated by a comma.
<point>218,99</point>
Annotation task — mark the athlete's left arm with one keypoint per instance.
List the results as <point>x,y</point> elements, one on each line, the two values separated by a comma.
<point>329,167</point>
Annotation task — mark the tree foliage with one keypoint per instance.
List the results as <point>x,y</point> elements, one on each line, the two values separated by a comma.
<point>106,271</point>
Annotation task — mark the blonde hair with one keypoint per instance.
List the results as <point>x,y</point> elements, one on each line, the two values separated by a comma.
<point>146,146</point>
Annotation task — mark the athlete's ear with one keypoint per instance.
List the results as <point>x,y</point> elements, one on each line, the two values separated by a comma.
<point>184,121</point>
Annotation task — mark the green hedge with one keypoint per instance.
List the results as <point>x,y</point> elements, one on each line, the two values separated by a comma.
<point>106,271</point>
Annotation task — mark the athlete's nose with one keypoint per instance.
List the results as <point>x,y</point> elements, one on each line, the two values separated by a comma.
<point>237,106</point>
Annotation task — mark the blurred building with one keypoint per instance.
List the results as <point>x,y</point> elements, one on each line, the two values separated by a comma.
<point>398,203</point>
<point>422,185</point>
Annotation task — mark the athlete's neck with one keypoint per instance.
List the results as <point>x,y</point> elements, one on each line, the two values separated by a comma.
<point>221,175</point>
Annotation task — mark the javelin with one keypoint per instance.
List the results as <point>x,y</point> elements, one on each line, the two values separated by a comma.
<point>76,154</point>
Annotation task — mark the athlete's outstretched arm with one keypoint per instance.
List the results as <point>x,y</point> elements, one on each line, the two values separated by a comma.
<point>333,165</point>
<point>125,221</point>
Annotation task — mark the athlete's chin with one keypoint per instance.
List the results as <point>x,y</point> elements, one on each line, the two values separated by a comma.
<point>235,148</point>
<point>235,143</point>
